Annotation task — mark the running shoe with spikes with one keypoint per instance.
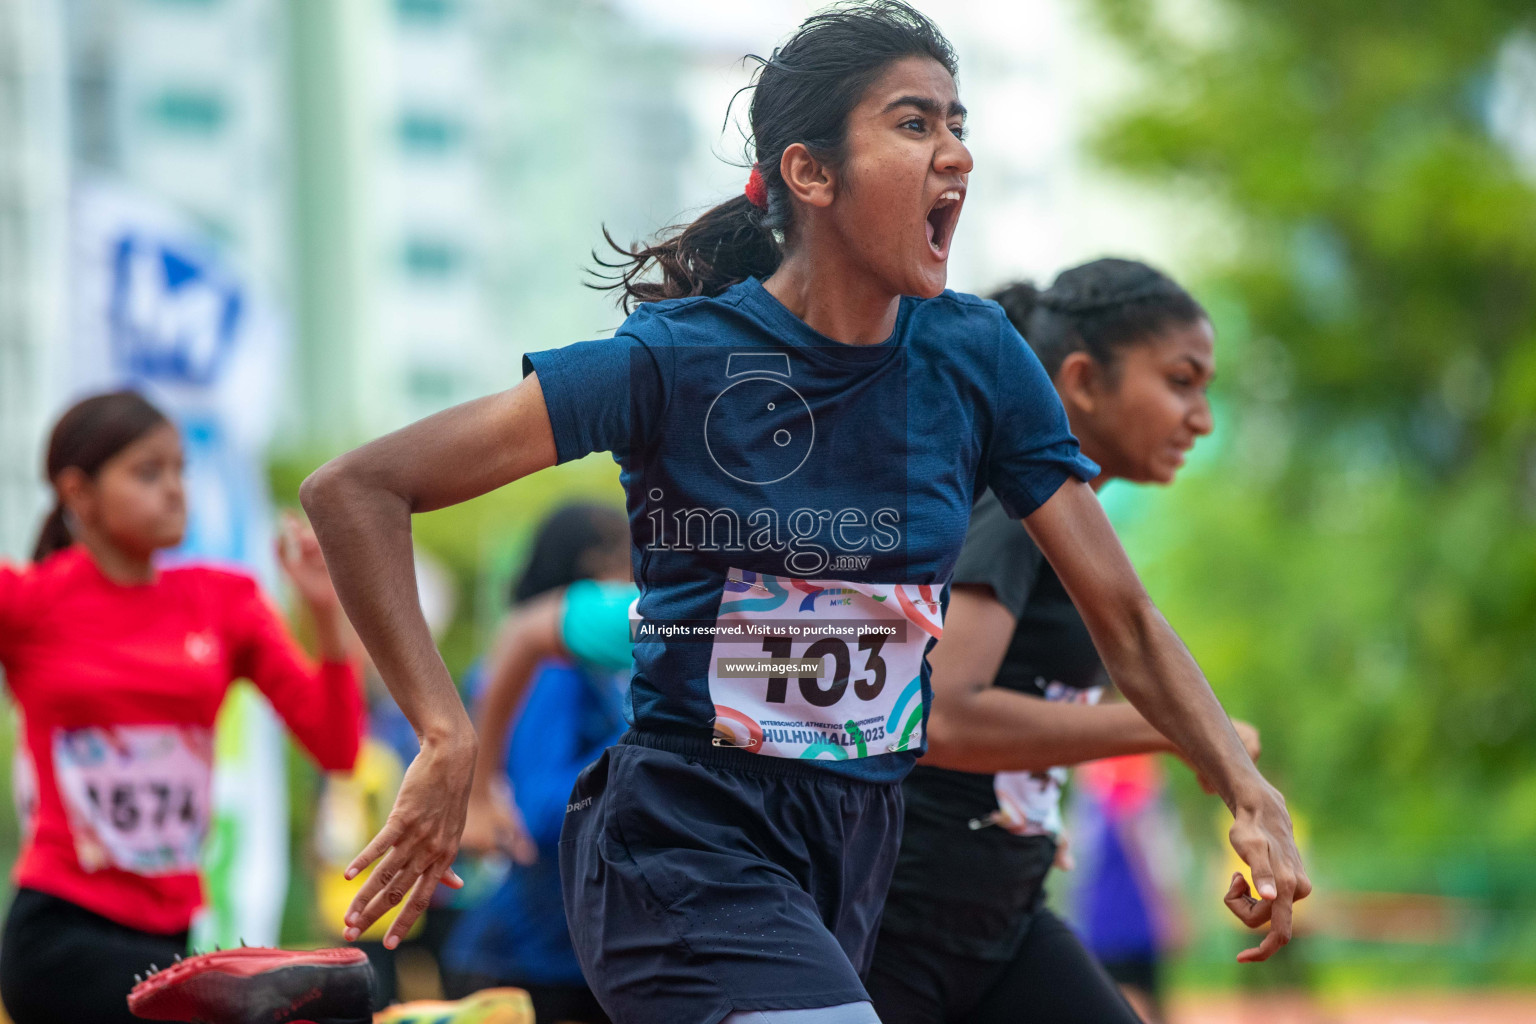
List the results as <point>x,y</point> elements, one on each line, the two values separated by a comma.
<point>252,985</point>
<point>488,1006</point>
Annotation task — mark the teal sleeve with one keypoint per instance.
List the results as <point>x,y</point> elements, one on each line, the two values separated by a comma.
<point>595,623</point>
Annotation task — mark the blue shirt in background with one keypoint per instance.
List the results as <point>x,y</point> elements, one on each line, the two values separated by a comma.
<point>518,933</point>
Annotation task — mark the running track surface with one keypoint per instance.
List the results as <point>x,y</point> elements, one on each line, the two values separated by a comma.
<point>1431,1008</point>
<point>1426,1008</point>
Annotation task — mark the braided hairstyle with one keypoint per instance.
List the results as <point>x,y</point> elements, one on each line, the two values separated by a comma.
<point>1099,308</point>
<point>802,93</point>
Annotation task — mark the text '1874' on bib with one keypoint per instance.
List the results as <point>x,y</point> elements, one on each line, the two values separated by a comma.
<point>820,668</point>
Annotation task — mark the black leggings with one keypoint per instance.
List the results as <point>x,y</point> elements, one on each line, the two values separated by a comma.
<point>1051,979</point>
<point>60,962</point>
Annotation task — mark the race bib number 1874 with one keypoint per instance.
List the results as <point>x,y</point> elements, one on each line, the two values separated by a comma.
<point>865,696</point>
<point>136,795</point>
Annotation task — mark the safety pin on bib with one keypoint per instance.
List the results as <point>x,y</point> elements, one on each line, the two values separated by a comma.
<point>721,741</point>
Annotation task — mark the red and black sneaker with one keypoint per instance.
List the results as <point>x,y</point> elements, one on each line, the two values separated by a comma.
<point>252,985</point>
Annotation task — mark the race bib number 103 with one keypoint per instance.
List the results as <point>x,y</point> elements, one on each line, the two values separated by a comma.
<point>857,689</point>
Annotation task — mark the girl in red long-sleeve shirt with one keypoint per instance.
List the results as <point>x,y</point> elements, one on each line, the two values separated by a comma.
<point>118,669</point>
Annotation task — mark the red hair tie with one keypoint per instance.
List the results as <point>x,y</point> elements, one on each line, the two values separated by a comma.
<point>756,191</point>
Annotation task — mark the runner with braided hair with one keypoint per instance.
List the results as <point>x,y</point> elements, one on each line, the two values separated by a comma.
<point>1016,679</point>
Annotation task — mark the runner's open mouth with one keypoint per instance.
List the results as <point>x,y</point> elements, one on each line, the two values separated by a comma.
<point>941,220</point>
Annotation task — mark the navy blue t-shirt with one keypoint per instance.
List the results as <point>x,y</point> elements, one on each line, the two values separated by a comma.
<point>758,454</point>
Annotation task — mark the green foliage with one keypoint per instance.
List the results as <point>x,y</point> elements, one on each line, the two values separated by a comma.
<point>1355,565</point>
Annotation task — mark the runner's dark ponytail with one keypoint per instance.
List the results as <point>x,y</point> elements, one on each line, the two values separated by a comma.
<point>89,434</point>
<point>802,93</point>
<point>1098,308</point>
<point>54,536</point>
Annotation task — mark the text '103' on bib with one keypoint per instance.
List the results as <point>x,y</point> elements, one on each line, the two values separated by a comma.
<point>820,669</point>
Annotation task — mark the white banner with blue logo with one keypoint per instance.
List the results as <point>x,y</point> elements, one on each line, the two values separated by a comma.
<point>156,305</point>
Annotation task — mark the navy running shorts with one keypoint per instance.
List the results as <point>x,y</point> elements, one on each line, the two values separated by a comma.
<point>702,880</point>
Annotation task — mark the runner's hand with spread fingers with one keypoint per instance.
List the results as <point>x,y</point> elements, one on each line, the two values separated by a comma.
<point>361,505</point>
<point>418,844</point>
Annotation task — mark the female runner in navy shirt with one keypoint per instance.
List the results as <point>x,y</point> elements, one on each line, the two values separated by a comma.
<point>803,417</point>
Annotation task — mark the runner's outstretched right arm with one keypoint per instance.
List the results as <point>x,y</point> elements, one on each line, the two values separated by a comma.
<point>360,505</point>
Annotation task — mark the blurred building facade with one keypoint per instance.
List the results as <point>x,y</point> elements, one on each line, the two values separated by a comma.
<point>418,186</point>
<point>414,185</point>
<point>33,198</point>
<point>182,99</point>
<point>455,158</point>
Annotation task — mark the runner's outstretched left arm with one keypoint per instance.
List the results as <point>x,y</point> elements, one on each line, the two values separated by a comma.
<point>1153,668</point>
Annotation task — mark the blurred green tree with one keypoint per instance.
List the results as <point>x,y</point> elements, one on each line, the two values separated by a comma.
<point>1356,564</point>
